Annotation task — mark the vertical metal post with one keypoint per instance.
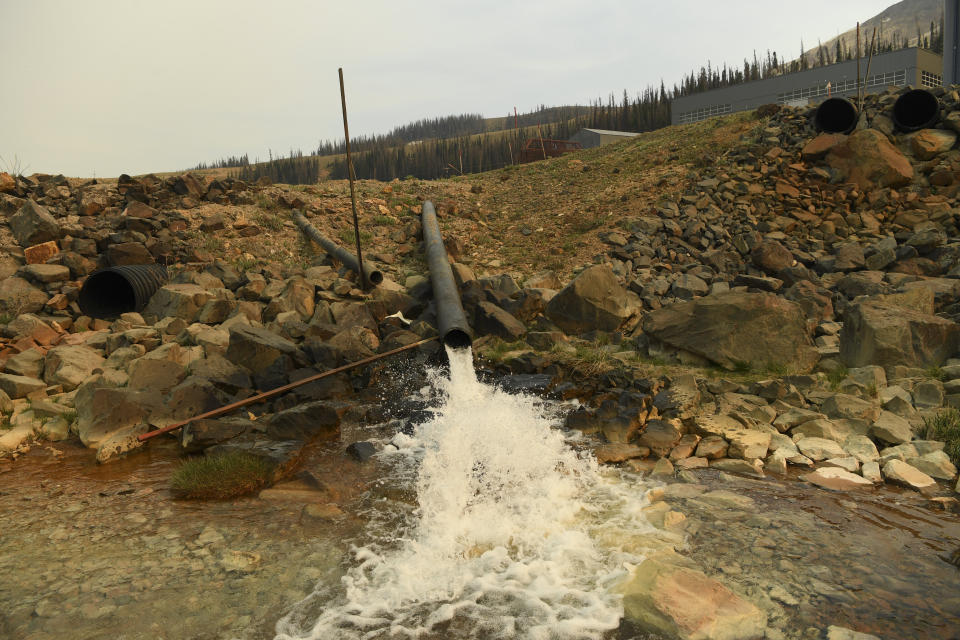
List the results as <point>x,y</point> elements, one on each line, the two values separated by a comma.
<point>353,195</point>
<point>951,52</point>
<point>859,87</point>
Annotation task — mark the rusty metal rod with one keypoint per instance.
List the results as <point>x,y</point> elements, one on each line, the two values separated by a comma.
<point>275,392</point>
<point>347,259</point>
<point>350,174</point>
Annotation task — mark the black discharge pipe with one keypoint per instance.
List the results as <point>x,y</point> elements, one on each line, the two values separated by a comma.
<point>109,292</point>
<point>916,109</point>
<point>835,115</point>
<point>454,330</point>
<point>347,259</point>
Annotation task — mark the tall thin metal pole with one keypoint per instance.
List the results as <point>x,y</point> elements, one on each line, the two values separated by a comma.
<point>859,88</point>
<point>353,195</point>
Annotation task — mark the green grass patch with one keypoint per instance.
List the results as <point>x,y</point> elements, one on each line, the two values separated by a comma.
<point>221,476</point>
<point>267,204</point>
<point>835,377</point>
<point>271,221</point>
<point>936,373</point>
<point>945,426</point>
<point>347,236</point>
<point>381,220</point>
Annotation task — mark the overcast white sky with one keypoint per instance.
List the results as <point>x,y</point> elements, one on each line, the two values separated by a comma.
<point>104,87</point>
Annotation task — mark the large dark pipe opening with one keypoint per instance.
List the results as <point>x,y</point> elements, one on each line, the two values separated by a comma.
<point>835,115</point>
<point>454,330</point>
<point>110,292</point>
<point>916,109</point>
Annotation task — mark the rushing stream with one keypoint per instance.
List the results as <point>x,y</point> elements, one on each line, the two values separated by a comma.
<point>501,538</point>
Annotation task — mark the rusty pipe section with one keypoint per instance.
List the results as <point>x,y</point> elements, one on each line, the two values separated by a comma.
<point>454,330</point>
<point>266,395</point>
<point>347,259</point>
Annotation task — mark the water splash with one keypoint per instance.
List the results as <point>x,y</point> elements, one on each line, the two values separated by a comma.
<point>503,542</point>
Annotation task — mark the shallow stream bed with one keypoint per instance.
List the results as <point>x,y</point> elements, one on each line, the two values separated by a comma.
<point>91,552</point>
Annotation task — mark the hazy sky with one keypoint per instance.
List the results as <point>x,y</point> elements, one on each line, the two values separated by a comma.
<point>128,86</point>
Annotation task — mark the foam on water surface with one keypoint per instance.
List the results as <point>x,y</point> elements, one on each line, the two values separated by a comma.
<point>503,542</point>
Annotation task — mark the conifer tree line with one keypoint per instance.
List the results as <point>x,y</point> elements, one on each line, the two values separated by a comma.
<point>437,158</point>
<point>294,169</point>
<point>438,147</point>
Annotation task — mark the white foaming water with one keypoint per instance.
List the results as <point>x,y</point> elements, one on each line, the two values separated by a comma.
<point>514,536</point>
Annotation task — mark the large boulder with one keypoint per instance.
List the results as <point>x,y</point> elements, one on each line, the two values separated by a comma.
<point>677,602</point>
<point>868,159</point>
<point>258,349</point>
<point>33,224</point>
<point>71,366</point>
<point>879,333</point>
<point>305,422</point>
<point>105,412</point>
<point>927,144</point>
<point>594,300</point>
<point>182,301</point>
<point>19,296</point>
<point>759,329</point>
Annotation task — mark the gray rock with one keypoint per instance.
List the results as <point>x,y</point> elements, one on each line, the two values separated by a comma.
<point>70,366</point>
<point>258,349</point>
<point>861,448</point>
<point>902,473</point>
<point>935,464</point>
<point>489,319</point>
<point>33,224</point>
<point>182,301</point>
<point>886,335</point>
<point>847,406</point>
<point>18,296</point>
<point>730,329</point>
<point>891,428</point>
<point>594,300</point>
<point>836,479</point>
<point>305,422</point>
<point>19,386</point>
<point>819,448</point>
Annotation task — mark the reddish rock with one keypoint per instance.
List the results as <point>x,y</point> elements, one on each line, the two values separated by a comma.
<point>821,145</point>
<point>40,253</point>
<point>7,182</point>
<point>787,189</point>
<point>868,160</point>
<point>930,143</point>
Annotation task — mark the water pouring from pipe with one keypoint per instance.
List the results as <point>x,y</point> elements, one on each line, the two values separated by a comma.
<point>510,535</point>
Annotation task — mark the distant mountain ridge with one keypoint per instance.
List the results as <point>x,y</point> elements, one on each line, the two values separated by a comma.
<point>905,20</point>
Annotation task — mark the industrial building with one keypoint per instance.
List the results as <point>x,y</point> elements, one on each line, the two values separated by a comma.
<point>914,66</point>
<point>596,137</point>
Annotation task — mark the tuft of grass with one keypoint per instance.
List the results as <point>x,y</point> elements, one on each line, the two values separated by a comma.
<point>837,376</point>
<point>221,476</point>
<point>499,348</point>
<point>742,366</point>
<point>271,221</point>
<point>5,318</point>
<point>267,204</point>
<point>936,373</point>
<point>945,426</point>
<point>380,219</point>
<point>347,236</point>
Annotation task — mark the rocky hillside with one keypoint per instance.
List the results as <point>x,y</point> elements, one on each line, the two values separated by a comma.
<point>741,295</point>
<point>819,272</point>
